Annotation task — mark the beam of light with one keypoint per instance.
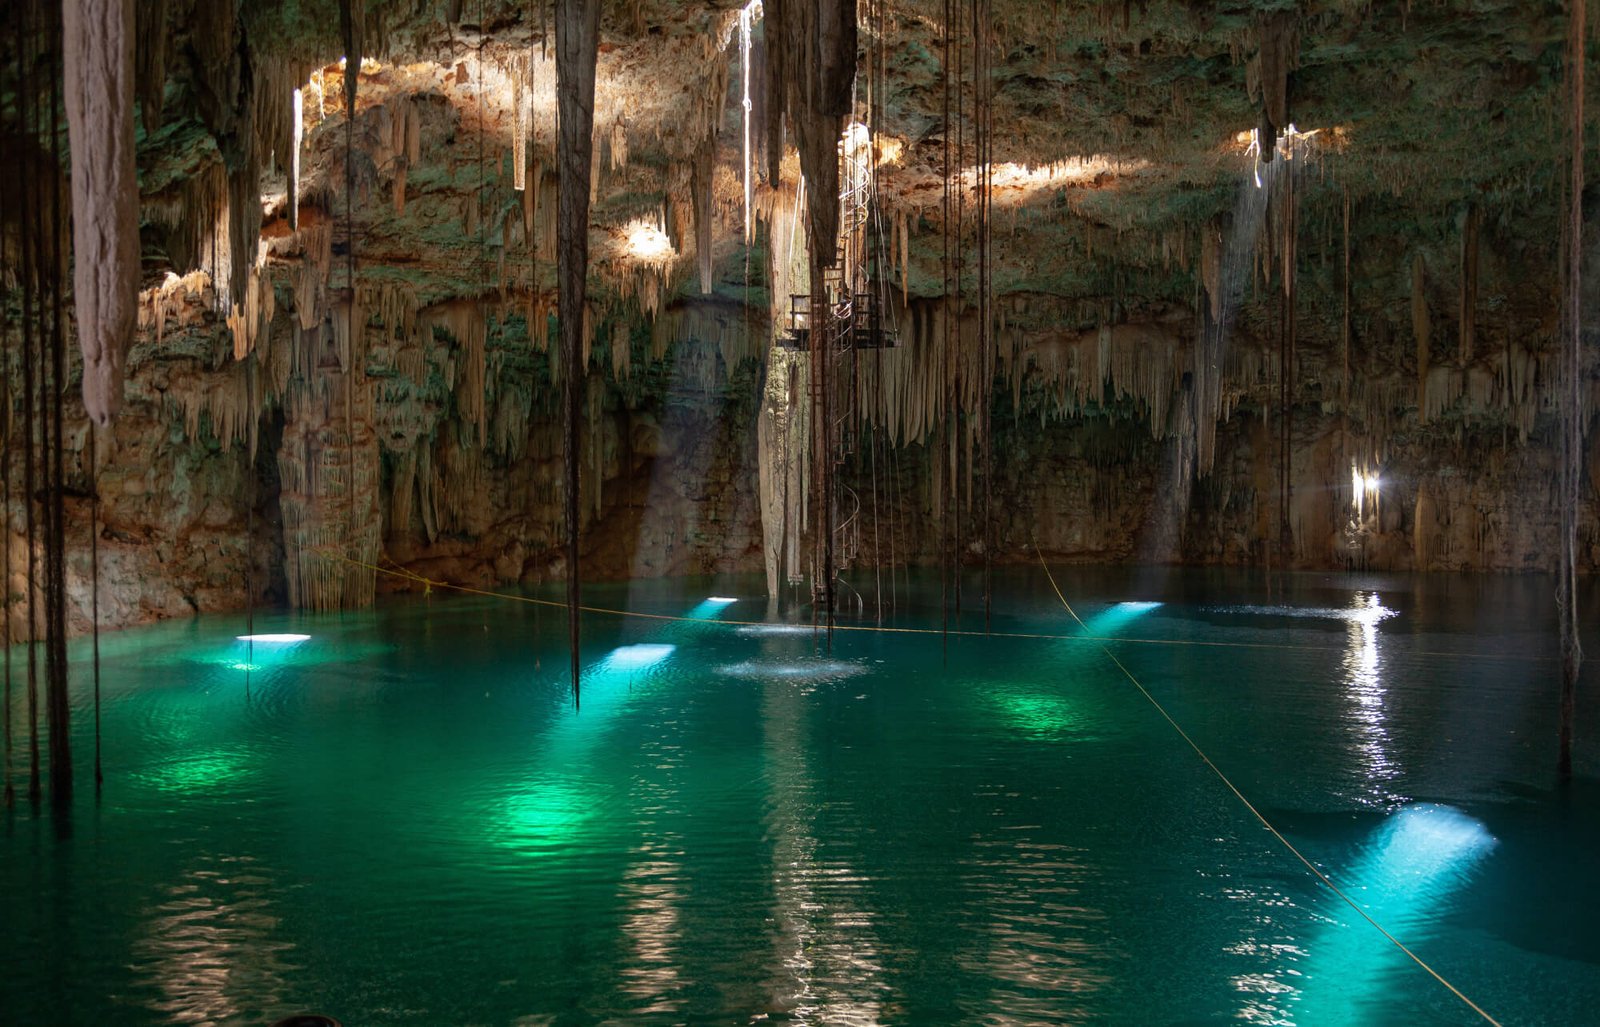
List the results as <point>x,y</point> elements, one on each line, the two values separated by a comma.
<point>1116,616</point>
<point>711,608</point>
<point>1405,877</point>
<point>1290,141</point>
<point>279,639</point>
<point>747,16</point>
<point>1014,183</point>
<point>636,657</point>
<point>541,814</point>
<point>299,125</point>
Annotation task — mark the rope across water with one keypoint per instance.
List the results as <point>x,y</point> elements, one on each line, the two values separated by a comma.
<point>429,584</point>
<point>1287,844</point>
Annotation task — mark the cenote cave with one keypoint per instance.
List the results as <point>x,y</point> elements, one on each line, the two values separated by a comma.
<point>558,512</point>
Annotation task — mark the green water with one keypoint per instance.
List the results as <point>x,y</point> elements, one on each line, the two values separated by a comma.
<point>403,819</point>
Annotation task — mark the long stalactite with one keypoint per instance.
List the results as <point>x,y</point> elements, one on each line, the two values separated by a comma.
<point>98,44</point>
<point>577,50</point>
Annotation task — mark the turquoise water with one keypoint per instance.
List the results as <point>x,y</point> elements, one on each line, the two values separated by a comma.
<point>403,819</point>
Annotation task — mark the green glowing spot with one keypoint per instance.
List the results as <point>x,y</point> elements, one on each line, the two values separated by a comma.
<point>199,772</point>
<point>1037,714</point>
<point>542,817</point>
<point>245,666</point>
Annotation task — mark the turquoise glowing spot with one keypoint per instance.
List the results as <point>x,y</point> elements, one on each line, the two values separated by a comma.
<point>245,666</point>
<point>1116,616</point>
<point>1424,843</point>
<point>720,600</point>
<point>1407,875</point>
<point>637,657</point>
<point>281,639</point>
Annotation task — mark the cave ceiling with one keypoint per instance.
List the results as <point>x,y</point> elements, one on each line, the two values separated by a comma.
<point>1120,130</point>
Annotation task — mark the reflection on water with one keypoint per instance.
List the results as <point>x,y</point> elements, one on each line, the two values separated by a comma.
<point>1364,684</point>
<point>1272,953</point>
<point>1043,940</point>
<point>806,670</point>
<point>211,946</point>
<point>651,889</point>
<point>1364,610</point>
<point>825,938</point>
<point>742,824</point>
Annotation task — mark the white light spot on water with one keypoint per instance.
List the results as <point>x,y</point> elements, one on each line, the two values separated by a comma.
<point>637,657</point>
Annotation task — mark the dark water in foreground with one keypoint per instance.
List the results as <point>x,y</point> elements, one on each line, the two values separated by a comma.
<point>404,821</point>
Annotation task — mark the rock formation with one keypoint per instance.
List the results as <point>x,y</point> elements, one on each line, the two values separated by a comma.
<point>400,407</point>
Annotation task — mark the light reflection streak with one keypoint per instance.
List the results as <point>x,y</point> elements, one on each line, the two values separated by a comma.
<point>650,888</point>
<point>210,948</point>
<point>1273,955</point>
<point>1363,680</point>
<point>1042,937</point>
<point>832,973</point>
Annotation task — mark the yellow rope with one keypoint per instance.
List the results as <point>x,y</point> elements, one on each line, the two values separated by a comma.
<point>429,584</point>
<point>1257,813</point>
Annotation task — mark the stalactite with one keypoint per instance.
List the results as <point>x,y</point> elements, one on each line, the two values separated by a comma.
<point>1344,321</point>
<point>701,189</point>
<point>1211,268</point>
<point>810,70</point>
<point>521,120</point>
<point>150,19</point>
<point>251,320</point>
<point>309,278</point>
<point>463,321</point>
<point>99,48</point>
<point>195,216</point>
<point>1421,329</point>
<point>1468,316</point>
<point>244,227</point>
<point>617,146</point>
